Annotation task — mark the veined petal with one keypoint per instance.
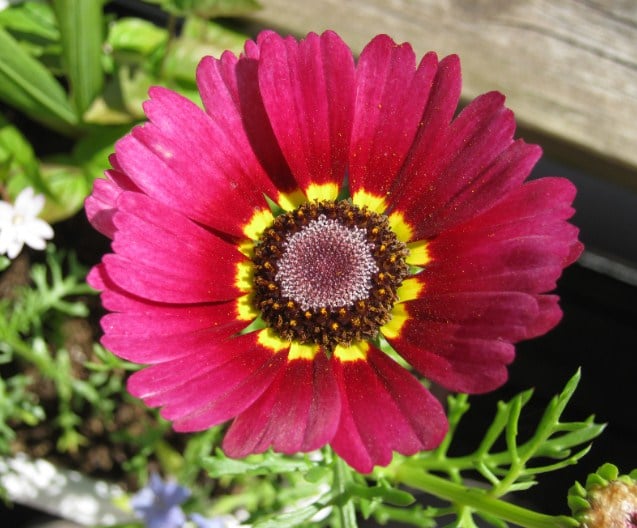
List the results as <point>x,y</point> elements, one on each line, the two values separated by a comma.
<point>473,142</point>
<point>391,97</point>
<point>100,205</point>
<point>383,409</point>
<point>172,161</point>
<point>207,388</point>
<point>229,89</point>
<point>460,364</point>
<point>163,256</point>
<point>298,412</point>
<point>162,333</point>
<point>308,92</point>
<point>464,340</point>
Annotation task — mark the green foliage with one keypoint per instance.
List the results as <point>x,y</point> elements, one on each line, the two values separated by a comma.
<point>78,73</point>
<point>324,491</point>
<point>81,25</point>
<point>207,8</point>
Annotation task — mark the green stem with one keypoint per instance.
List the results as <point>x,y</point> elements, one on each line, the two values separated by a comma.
<point>342,477</point>
<point>478,500</point>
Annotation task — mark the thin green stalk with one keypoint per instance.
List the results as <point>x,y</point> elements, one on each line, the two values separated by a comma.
<point>478,500</point>
<point>342,477</point>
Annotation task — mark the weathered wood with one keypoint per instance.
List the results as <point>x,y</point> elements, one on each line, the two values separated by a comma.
<point>568,68</point>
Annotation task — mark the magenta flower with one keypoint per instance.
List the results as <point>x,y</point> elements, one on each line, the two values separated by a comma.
<point>267,248</point>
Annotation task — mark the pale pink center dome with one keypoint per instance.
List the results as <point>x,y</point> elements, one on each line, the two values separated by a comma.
<point>326,264</point>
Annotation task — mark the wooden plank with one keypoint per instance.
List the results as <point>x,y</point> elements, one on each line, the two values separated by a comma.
<point>568,68</point>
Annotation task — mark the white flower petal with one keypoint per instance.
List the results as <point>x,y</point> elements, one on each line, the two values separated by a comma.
<point>29,204</point>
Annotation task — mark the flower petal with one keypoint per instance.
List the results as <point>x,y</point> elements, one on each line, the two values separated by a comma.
<point>100,205</point>
<point>463,340</point>
<point>384,409</point>
<point>172,161</point>
<point>207,388</point>
<point>166,332</point>
<point>163,256</point>
<point>298,412</point>
<point>308,93</point>
<point>441,175</point>
<point>229,89</point>
<point>390,100</point>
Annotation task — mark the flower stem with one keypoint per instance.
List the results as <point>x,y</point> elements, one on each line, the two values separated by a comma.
<point>478,500</point>
<point>346,511</point>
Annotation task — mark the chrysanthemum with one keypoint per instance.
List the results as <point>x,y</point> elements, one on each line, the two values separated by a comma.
<point>267,249</point>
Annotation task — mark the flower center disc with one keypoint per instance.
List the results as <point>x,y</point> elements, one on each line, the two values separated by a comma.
<point>327,273</point>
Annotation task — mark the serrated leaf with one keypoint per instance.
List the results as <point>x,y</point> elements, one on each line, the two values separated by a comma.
<point>28,86</point>
<point>221,466</point>
<point>289,519</point>
<point>81,26</point>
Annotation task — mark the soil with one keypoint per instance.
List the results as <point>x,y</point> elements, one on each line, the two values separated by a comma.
<point>99,456</point>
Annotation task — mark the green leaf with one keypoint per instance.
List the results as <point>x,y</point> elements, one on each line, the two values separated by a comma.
<point>30,19</point>
<point>268,463</point>
<point>69,188</point>
<point>135,39</point>
<point>198,39</point>
<point>18,164</point>
<point>29,87</point>
<point>81,26</point>
<point>293,518</point>
<point>208,8</point>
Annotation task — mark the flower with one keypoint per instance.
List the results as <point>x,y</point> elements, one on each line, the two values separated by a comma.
<point>267,249</point>
<point>19,224</point>
<point>158,504</point>
<point>608,499</point>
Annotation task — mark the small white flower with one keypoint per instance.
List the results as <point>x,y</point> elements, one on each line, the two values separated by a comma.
<point>20,225</point>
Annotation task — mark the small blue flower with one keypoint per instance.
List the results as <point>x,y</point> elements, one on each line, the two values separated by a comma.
<point>158,504</point>
<point>203,522</point>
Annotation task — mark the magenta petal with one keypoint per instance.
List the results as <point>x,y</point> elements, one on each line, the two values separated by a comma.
<point>430,141</point>
<point>473,142</point>
<point>298,412</point>
<point>384,409</point>
<point>164,332</point>
<point>390,99</point>
<point>100,206</point>
<point>470,365</point>
<point>230,92</point>
<point>308,92</point>
<point>210,386</point>
<point>162,256</point>
<point>483,315</point>
<point>172,161</point>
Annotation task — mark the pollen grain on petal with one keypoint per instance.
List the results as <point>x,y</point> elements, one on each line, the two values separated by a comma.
<point>354,352</point>
<point>400,226</point>
<point>302,351</point>
<point>410,289</point>
<point>399,316</point>
<point>259,222</point>
<point>373,202</point>
<point>419,254</point>
<point>270,340</point>
<point>321,192</point>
